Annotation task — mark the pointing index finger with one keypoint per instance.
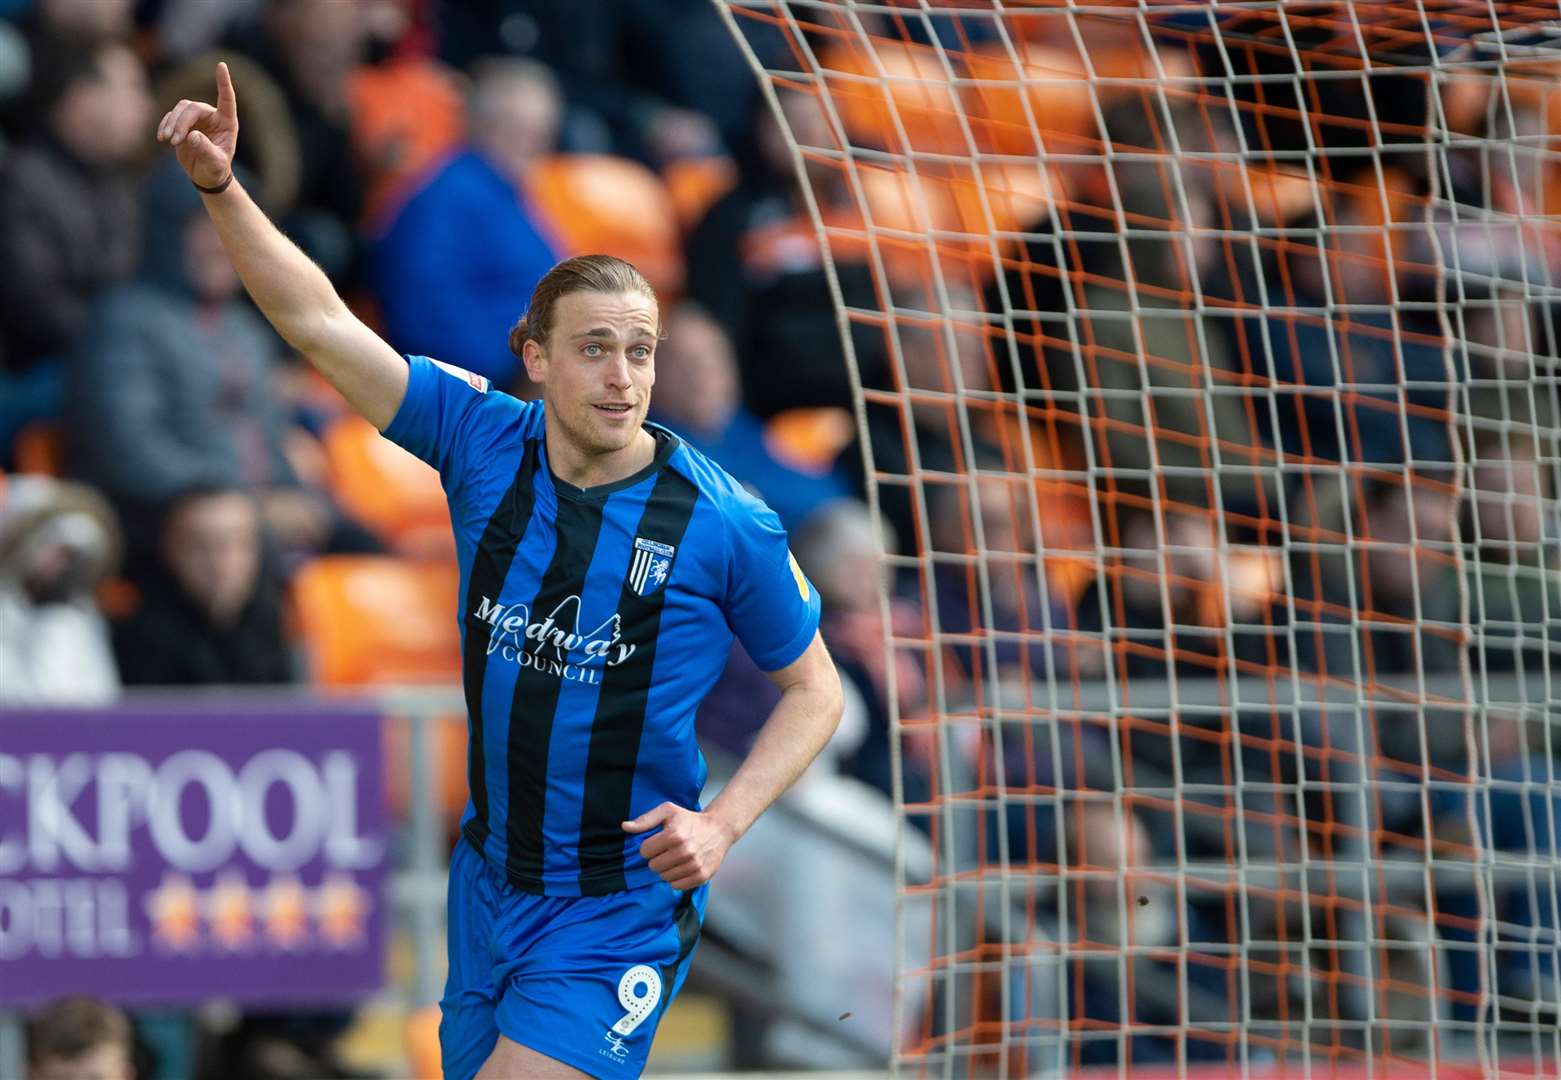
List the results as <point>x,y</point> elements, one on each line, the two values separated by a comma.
<point>227,100</point>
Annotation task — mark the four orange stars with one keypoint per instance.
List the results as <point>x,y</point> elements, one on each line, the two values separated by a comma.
<point>230,909</point>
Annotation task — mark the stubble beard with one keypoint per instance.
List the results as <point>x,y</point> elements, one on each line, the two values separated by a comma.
<point>593,436</point>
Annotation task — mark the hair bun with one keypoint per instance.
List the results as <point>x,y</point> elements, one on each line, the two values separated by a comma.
<point>518,335</point>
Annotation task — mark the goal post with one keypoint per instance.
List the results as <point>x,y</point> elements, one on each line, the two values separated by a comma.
<point>1205,360</point>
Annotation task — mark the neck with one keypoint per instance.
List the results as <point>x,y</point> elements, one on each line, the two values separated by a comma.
<point>585,468</point>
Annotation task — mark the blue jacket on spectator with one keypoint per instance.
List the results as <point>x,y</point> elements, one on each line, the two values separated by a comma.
<point>741,450</point>
<point>455,268</point>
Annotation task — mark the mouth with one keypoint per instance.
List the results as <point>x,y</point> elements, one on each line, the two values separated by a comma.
<point>616,409</point>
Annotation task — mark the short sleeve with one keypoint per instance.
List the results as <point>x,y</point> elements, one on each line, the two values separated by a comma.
<point>771,605</point>
<point>442,416</point>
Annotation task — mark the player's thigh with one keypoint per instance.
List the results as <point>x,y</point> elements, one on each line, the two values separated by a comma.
<point>594,990</point>
<point>510,1059</point>
<point>468,1027</point>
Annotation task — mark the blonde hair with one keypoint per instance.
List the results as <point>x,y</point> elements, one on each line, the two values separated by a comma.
<point>583,273</point>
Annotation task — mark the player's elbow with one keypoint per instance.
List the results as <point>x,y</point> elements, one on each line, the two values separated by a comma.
<point>310,330</point>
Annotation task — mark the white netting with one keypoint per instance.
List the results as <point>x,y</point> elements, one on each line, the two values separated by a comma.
<point>1206,362</point>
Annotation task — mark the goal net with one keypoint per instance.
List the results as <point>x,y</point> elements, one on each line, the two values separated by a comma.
<point>1205,362</point>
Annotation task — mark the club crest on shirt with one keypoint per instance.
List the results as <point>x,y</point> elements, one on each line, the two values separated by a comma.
<point>650,566</point>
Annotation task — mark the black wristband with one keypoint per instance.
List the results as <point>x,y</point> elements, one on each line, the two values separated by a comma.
<point>219,189</point>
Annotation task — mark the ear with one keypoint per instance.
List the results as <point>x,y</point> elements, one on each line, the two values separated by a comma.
<point>535,360</point>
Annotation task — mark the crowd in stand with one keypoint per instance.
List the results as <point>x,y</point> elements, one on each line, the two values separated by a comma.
<point>428,154</point>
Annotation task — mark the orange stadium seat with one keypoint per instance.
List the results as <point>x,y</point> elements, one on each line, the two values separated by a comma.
<point>1061,117</point>
<point>366,620</point>
<point>1009,197</point>
<point>405,114</point>
<point>810,440</point>
<point>39,448</point>
<point>387,488</point>
<point>697,184</point>
<point>373,619</point>
<point>881,85</point>
<point>600,203</point>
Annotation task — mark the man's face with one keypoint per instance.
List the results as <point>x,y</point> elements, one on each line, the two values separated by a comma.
<point>699,376</point>
<point>597,368</point>
<point>206,262</point>
<point>104,119</point>
<point>212,546</point>
<point>519,126</point>
<point>106,1062</point>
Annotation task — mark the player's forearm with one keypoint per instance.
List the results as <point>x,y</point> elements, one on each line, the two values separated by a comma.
<point>297,298</point>
<point>291,291</point>
<point>791,738</point>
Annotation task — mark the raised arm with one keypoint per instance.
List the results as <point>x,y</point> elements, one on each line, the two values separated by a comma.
<point>290,290</point>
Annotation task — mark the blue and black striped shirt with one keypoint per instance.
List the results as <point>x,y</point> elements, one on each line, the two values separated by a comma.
<point>593,621</point>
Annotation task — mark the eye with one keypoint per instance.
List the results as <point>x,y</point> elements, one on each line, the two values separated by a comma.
<point>592,349</point>
<point>640,352</point>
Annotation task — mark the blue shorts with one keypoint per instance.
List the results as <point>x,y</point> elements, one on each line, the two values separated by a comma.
<point>584,980</point>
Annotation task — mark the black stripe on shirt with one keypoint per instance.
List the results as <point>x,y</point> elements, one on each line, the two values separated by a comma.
<point>490,566</point>
<point>536,691</point>
<point>620,708</point>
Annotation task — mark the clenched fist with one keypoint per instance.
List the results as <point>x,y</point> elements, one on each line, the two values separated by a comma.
<point>205,137</point>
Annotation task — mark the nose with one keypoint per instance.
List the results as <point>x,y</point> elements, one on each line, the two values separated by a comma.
<point>617,372</point>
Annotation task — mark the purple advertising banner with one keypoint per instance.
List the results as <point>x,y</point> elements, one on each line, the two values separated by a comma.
<point>171,853</point>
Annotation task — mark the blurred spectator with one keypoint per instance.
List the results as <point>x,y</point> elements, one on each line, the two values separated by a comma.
<point>79,1038</point>
<point>755,264</point>
<point>699,395</point>
<point>173,386</point>
<point>186,27</point>
<point>1171,600</point>
<point>730,716</point>
<point>69,211</point>
<point>1120,334</point>
<point>839,551</point>
<point>1516,568</point>
<point>211,609</point>
<point>311,49</point>
<point>936,440</point>
<point>1370,609</point>
<point>1161,604</point>
<point>58,541</point>
<point>1368,384</point>
<point>96,19</point>
<point>455,267</point>
<point>998,576</point>
<point>1131,923</point>
<point>624,67</point>
<point>1518,814</point>
<point>1020,647</point>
